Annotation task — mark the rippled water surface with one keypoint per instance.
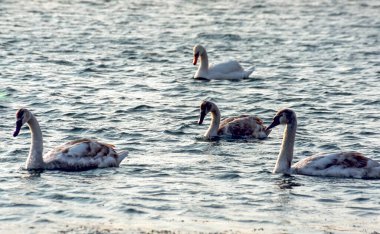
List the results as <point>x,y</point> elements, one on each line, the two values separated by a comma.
<point>121,71</point>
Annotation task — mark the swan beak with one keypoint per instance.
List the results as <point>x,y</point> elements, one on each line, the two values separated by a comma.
<point>195,59</point>
<point>201,117</point>
<point>276,121</point>
<point>18,128</point>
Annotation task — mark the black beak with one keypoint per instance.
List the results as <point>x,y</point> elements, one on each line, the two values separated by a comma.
<point>275,122</point>
<point>18,127</point>
<point>201,117</point>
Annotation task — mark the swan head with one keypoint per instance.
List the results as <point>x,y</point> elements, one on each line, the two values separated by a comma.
<point>206,107</point>
<point>284,116</point>
<point>198,50</point>
<point>22,116</point>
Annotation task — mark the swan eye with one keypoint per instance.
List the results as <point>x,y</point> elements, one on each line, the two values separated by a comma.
<point>196,54</point>
<point>20,114</point>
<point>277,119</point>
<point>208,107</point>
<point>288,116</point>
<point>283,119</point>
<point>204,109</point>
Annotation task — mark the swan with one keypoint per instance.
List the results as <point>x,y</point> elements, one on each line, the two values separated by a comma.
<point>76,155</point>
<point>342,164</point>
<point>241,126</point>
<point>230,70</point>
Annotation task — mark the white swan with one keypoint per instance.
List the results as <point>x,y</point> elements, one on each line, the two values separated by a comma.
<point>343,164</point>
<point>241,126</point>
<point>77,155</point>
<point>230,70</point>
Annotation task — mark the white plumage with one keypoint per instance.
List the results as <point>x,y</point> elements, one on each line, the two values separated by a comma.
<point>229,70</point>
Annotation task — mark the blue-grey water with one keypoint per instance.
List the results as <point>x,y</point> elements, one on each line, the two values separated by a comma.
<point>121,72</point>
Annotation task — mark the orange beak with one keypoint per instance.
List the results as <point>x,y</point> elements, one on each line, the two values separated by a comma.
<point>195,59</point>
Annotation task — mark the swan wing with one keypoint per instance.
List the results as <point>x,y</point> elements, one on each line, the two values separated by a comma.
<point>244,125</point>
<point>344,164</point>
<point>231,119</point>
<point>83,154</point>
<point>230,70</point>
<point>226,67</point>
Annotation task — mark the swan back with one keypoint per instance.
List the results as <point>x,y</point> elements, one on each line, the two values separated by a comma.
<point>343,164</point>
<point>244,126</point>
<point>83,154</point>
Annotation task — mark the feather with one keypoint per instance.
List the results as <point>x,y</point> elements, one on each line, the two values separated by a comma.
<point>82,154</point>
<point>342,164</point>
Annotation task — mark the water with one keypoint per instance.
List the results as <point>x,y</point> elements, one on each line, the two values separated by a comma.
<point>120,71</point>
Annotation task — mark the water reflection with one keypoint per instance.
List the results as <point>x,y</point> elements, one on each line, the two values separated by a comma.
<point>287,182</point>
<point>31,174</point>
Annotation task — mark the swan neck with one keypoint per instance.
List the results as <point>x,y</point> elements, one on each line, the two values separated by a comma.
<point>204,61</point>
<point>215,122</point>
<point>285,157</point>
<point>35,159</point>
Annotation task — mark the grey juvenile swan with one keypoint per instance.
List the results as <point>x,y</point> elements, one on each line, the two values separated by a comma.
<point>76,155</point>
<point>240,126</point>
<point>343,164</point>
